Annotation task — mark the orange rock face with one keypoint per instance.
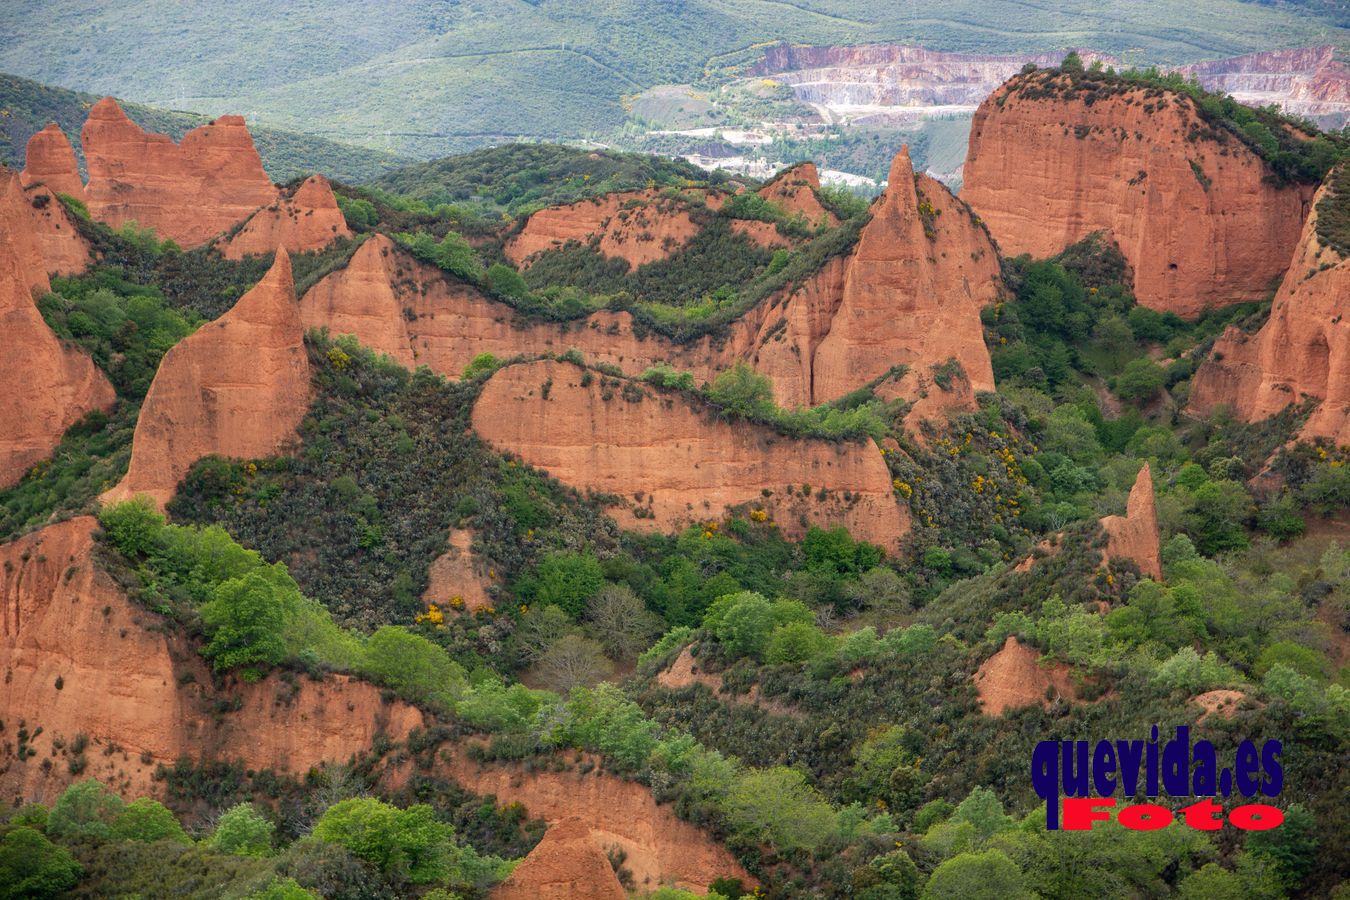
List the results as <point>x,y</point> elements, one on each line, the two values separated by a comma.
<point>1301,353</point>
<point>60,247</point>
<point>1190,207</point>
<point>909,299</point>
<point>237,387</point>
<point>456,573</point>
<point>189,191</point>
<point>661,849</point>
<point>636,226</point>
<point>619,437</point>
<point>81,660</point>
<point>566,865</point>
<point>796,190</point>
<point>1134,536</point>
<point>50,161</point>
<point>308,219</point>
<point>1013,677</point>
<point>48,386</point>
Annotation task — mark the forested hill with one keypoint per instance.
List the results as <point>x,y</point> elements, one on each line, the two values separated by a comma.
<point>26,106</point>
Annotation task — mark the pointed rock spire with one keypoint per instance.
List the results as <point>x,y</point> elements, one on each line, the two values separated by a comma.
<point>1134,536</point>
<point>50,161</point>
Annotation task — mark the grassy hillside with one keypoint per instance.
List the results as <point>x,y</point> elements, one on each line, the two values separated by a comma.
<point>427,77</point>
<point>26,106</point>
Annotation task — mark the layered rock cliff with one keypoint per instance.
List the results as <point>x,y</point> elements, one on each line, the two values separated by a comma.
<point>302,221</point>
<point>60,248</point>
<point>189,191</point>
<point>636,226</point>
<point>796,189</point>
<point>48,386</point>
<point>1301,353</point>
<point>568,864</point>
<point>1305,81</point>
<point>81,658</point>
<point>237,387</point>
<point>1192,208</point>
<point>50,161</point>
<point>681,462</point>
<point>1134,536</point>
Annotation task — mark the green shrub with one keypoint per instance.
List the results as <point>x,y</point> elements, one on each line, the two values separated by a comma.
<point>243,831</point>
<point>33,868</point>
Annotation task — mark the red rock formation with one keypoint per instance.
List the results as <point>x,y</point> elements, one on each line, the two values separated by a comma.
<point>636,226</point>
<point>305,220</point>
<point>60,248</point>
<point>1134,536</point>
<point>48,386</point>
<point>1301,353</point>
<point>237,387</point>
<point>50,161</point>
<point>908,299</point>
<point>621,438</point>
<point>189,191</point>
<point>661,848</point>
<point>795,189</point>
<point>457,574</point>
<point>84,659</point>
<point>1305,81</point>
<point>1014,677</point>
<point>1191,207</point>
<point>566,865</point>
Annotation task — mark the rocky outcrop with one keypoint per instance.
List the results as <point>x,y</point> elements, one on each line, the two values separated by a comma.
<point>636,226</point>
<point>60,248</point>
<point>238,387</point>
<point>50,161</point>
<point>81,658</point>
<point>668,462</point>
<point>48,386</point>
<point>1192,208</point>
<point>305,220</point>
<point>566,865</point>
<point>1134,536</point>
<point>189,191</point>
<point>797,190</point>
<point>1302,353</point>
<point>912,291</point>
<point>1014,677</point>
<point>456,575</point>
<point>659,847</point>
<point>1305,81</point>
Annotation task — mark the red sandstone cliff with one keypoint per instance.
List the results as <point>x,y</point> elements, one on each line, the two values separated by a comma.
<point>1134,536</point>
<point>302,221</point>
<point>83,659</point>
<point>636,226</point>
<point>50,161</point>
<point>796,189</point>
<point>60,248</point>
<point>48,386</point>
<point>1301,353</point>
<point>237,387</point>
<point>619,437</point>
<point>1190,207</point>
<point>568,864</point>
<point>189,191</point>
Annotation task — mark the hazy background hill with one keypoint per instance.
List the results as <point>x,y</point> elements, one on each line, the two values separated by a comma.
<point>427,77</point>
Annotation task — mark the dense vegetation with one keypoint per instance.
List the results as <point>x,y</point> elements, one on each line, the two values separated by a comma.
<point>28,106</point>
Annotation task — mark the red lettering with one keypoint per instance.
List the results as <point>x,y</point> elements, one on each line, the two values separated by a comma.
<point>1081,812</point>
<point>1256,817</point>
<point>1145,817</point>
<point>1202,815</point>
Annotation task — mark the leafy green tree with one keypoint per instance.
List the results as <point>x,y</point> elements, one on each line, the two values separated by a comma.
<point>990,875</point>
<point>1304,660</point>
<point>567,580</point>
<point>133,526</point>
<point>33,868</point>
<point>283,889</point>
<point>1292,847</point>
<point>482,364</point>
<point>745,626</point>
<point>778,806</point>
<point>796,642</point>
<point>894,876</point>
<point>243,831</point>
<point>413,666</point>
<point>1140,381</point>
<point>743,391</point>
<point>1217,516</point>
<point>408,843</point>
<point>247,618</point>
<point>86,809</point>
<point>360,214</point>
<point>984,810</point>
<point>505,281</point>
<point>148,820</point>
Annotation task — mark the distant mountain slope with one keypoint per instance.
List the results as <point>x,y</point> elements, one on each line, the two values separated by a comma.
<point>426,76</point>
<point>514,176</point>
<point>26,106</point>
